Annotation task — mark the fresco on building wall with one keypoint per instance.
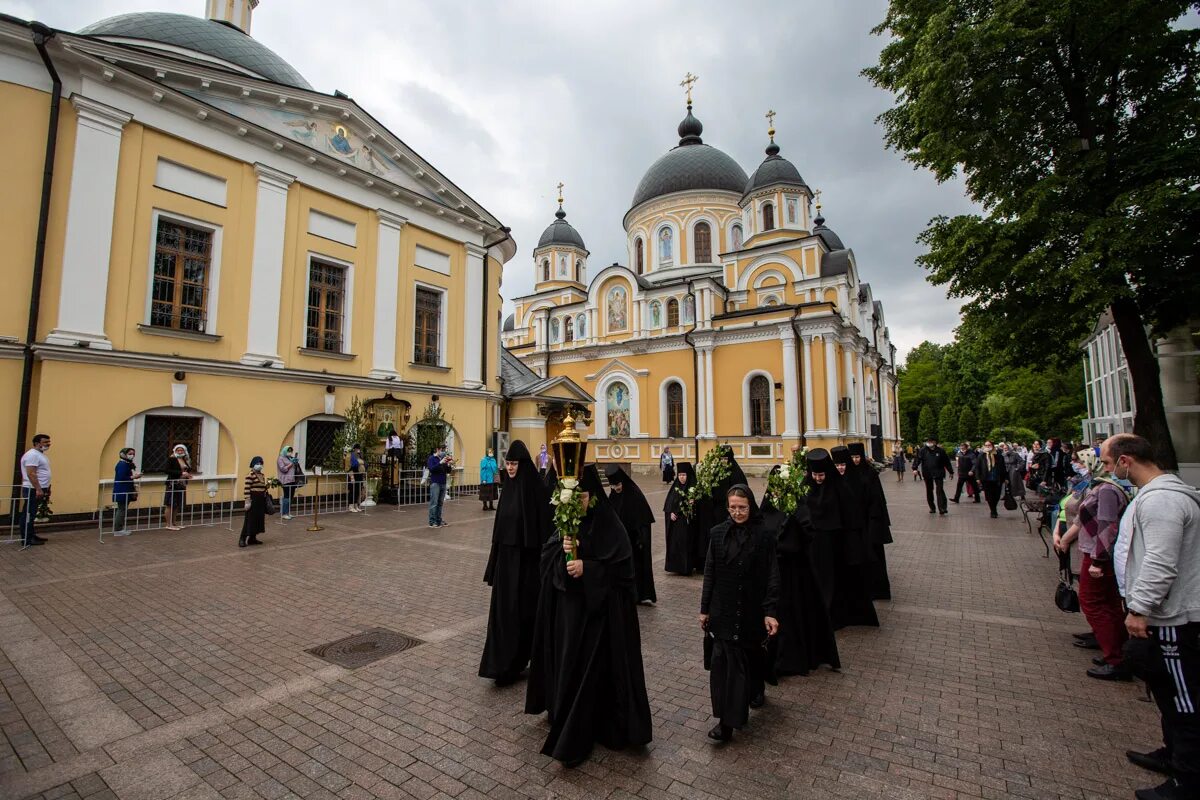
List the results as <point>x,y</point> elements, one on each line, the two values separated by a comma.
<point>618,314</point>
<point>554,329</point>
<point>617,401</point>
<point>664,245</point>
<point>791,207</point>
<point>581,326</point>
<point>655,314</point>
<point>737,237</point>
<point>689,310</point>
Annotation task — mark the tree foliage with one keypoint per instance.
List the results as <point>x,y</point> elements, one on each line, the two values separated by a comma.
<point>968,424</point>
<point>355,430</point>
<point>925,424</point>
<point>948,423</point>
<point>1073,124</point>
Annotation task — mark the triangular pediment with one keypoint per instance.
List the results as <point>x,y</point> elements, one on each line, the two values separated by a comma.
<point>616,365</point>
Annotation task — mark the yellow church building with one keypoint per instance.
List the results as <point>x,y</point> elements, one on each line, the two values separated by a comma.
<point>199,247</point>
<point>739,318</point>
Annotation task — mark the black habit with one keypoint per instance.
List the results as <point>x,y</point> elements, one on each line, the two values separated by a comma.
<point>521,525</point>
<point>879,524</point>
<point>852,579</point>
<point>741,588</point>
<point>681,531</point>
<point>635,514</point>
<point>587,656</point>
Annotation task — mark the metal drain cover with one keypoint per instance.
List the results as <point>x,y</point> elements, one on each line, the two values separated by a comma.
<point>361,649</point>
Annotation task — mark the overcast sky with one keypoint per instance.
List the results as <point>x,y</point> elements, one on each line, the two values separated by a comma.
<point>507,99</point>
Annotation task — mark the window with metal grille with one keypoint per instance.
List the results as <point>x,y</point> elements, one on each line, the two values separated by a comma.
<point>768,215</point>
<point>675,410</point>
<point>568,329</point>
<point>545,269</point>
<point>179,292</point>
<point>672,313</point>
<point>760,406</point>
<point>318,442</point>
<point>427,334</point>
<point>702,243</point>
<point>326,304</point>
<point>160,434</point>
<point>638,258</point>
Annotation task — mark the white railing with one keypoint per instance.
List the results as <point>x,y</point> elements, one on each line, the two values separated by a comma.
<point>202,502</point>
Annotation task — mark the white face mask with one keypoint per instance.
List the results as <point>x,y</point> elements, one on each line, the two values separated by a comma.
<point>930,445</point>
<point>257,468</point>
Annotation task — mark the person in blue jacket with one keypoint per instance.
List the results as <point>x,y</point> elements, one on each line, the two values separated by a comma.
<point>438,466</point>
<point>124,491</point>
<point>488,488</point>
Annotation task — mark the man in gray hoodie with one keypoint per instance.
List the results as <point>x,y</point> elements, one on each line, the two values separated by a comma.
<point>1162,597</point>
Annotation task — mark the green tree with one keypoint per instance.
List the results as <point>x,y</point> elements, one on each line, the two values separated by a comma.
<point>428,432</point>
<point>355,430</point>
<point>968,423</point>
<point>983,425</point>
<point>925,424</point>
<point>1073,124</point>
<point>948,423</point>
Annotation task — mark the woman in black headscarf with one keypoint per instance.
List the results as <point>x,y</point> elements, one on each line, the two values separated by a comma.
<point>521,526</point>
<point>879,522</point>
<point>737,611</point>
<point>681,531</point>
<point>851,591</point>
<point>712,510</point>
<point>629,502</point>
<point>805,639</point>
<point>586,671</point>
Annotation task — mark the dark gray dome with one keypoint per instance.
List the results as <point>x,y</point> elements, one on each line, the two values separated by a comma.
<point>773,171</point>
<point>691,165</point>
<point>561,232</point>
<point>204,36</point>
<point>510,322</point>
<point>831,239</point>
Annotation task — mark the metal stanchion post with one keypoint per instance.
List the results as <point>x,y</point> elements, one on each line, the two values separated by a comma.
<point>316,499</point>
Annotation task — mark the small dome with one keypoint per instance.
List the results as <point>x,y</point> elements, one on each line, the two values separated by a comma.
<point>203,36</point>
<point>773,171</point>
<point>561,232</point>
<point>510,323</point>
<point>691,165</point>
<point>831,239</point>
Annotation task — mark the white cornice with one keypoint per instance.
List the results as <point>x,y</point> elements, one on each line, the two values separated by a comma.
<point>100,115</point>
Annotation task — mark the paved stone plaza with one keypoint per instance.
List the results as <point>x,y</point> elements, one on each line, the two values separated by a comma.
<point>173,665</point>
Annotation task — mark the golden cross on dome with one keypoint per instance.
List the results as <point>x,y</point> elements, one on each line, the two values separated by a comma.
<point>686,83</point>
<point>560,188</point>
<point>771,122</point>
<point>817,199</point>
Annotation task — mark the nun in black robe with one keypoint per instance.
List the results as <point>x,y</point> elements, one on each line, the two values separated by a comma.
<point>681,531</point>
<point>627,499</point>
<point>805,639</point>
<point>520,528</point>
<point>586,672</point>
<point>879,523</point>
<point>737,610</point>
<point>852,603</point>
<point>712,510</point>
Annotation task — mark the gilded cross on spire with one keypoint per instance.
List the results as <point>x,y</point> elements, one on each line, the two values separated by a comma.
<point>771,122</point>
<point>560,188</point>
<point>687,83</point>
<point>817,199</point>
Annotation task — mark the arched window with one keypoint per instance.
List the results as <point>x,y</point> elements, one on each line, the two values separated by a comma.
<point>736,234</point>
<point>554,328</point>
<point>579,270</point>
<point>760,406</point>
<point>617,408</point>
<point>768,215</point>
<point>702,243</point>
<point>672,313</point>
<point>675,410</point>
<point>638,259</point>
<point>569,329</point>
<point>545,269</point>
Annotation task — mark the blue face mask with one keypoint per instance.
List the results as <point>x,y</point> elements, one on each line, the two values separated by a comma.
<point>1124,483</point>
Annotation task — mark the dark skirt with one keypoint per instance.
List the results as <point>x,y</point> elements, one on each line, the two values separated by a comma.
<point>643,567</point>
<point>174,494</point>
<point>877,572</point>
<point>668,474</point>
<point>852,597</point>
<point>823,562</point>
<point>735,678</point>
<point>488,492</point>
<point>254,521</point>
<point>513,612</point>
<point>681,536</point>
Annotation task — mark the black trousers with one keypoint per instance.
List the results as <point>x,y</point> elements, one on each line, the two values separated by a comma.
<point>991,493</point>
<point>968,480</point>
<point>941,493</point>
<point>1176,690</point>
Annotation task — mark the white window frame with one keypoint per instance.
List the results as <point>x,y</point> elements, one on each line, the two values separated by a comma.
<point>635,405</point>
<point>214,278</point>
<point>442,313</point>
<point>714,236</point>
<point>747,427</point>
<point>348,298</point>
<point>736,222</point>
<point>663,417</point>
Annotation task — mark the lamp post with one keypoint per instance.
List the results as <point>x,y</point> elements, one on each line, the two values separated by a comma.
<point>569,452</point>
<point>316,498</point>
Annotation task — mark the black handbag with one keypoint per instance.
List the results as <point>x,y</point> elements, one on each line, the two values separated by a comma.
<point>1010,502</point>
<point>1065,596</point>
<point>268,504</point>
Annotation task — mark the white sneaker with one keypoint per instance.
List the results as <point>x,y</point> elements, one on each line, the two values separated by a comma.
<point>286,516</point>
<point>353,510</point>
<point>125,532</point>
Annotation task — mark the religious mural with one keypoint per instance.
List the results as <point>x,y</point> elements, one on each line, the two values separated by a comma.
<point>581,326</point>
<point>656,314</point>
<point>618,314</point>
<point>617,403</point>
<point>737,237</point>
<point>665,250</point>
<point>689,308</point>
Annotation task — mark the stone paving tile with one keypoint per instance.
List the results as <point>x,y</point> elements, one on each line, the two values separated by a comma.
<point>969,689</point>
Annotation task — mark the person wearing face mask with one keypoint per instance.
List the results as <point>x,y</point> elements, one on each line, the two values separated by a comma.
<point>1038,468</point>
<point>966,473</point>
<point>179,472</point>
<point>993,472</point>
<point>489,475</point>
<point>521,526</point>
<point>124,490</point>
<point>289,473</point>
<point>737,611</point>
<point>934,465</point>
<point>254,521</point>
<point>35,485</point>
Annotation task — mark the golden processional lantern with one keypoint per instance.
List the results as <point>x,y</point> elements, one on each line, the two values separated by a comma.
<point>569,449</point>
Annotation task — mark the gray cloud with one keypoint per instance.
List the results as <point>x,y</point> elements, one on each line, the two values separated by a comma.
<point>508,99</point>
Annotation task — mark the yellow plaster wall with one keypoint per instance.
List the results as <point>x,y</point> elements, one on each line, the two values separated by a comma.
<point>816,352</point>
<point>731,364</point>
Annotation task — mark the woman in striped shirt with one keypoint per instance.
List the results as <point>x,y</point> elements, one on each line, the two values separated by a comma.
<point>254,521</point>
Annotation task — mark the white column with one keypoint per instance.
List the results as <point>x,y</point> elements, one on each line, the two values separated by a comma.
<point>864,422</point>
<point>266,268</point>
<point>701,395</point>
<point>473,321</point>
<point>387,288</point>
<point>791,385</point>
<point>88,243</point>
<point>710,416</point>
<point>831,387</point>
<point>848,364</point>
<point>808,385</point>
<point>635,316</point>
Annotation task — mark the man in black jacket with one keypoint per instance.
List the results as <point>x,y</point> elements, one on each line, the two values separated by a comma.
<point>993,471</point>
<point>935,465</point>
<point>966,472</point>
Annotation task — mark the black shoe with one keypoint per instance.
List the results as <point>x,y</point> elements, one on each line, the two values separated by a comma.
<point>1087,644</point>
<point>241,541</point>
<point>721,733</point>
<point>1083,637</point>
<point>35,542</point>
<point>943,512</point>
<point>507,679</point>
<point>39,539</point>
<point>1109,673</point>
<point>1156,760</point>
<point>953,499</point>
<point>1099,661</point>
<point>933,511</point>
<point>976,501</point>
<point>574,762</point>
<point>1167,790</point>
<point>758,700</point>
<point>253,540</point>
<point>995,515</point>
